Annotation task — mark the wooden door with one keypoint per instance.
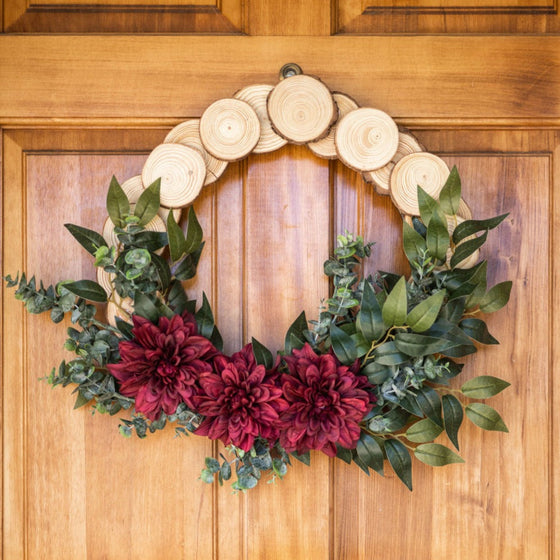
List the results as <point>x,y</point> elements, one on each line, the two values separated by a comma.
<point>89,88</point>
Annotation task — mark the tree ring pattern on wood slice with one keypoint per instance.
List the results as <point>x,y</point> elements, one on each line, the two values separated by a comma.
<point>119,308</point>
<point>188,134</point>
<point>381,177</point>
<point>419,169</point>
<point>326,147</point>
<point>105,280</point>
<point>366,139</point>
<point>134,187</point>
<point>256,97</point>
<point>230,129</point>
<point>301,109</point>
<point>182,172</point>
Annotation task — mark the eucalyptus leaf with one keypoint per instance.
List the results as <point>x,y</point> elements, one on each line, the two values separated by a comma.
<point>88,239</point>
<point>422,431</point>
<point>118,206</point>
<point>423,316</point>
<point>436,455</point>
<point>496,297</point>
<point>484,387</point>
<point>485,417</point>
<point>450,194</point>
<point>87,289</point>
<point>452,417</point>
<point>394,310</point>
<point>400,461</point>
<point>148,204</point>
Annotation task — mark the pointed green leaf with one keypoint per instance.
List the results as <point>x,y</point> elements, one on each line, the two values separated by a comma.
<point>437,236</point>
<point>216,339</point>
<point>469,227</point>
<point>205,318</point>
<point>400,461</point>
<point>484,387</point>
<point>453,310</point>
<point>436,455</point>
<point>88,239</point>
<point>177,299</point>
<point>376,373</point>
<point>194,233</point>
<point>145,307</point>
<point>369,320</point>
<point>423,431</point>
<point>413,243</point>
<point>263,356</point>
<point>87,289</point>
<point>479,281</point>
<point>370,452</point>
<point>388,355</point>
<point>427,205</point>
<point>80,400</point>
<point>430,403</point>
<point>477,330</point>
<point>420,345</point>
<point>344,454</point>
<point>163,271</point>
<point>297,329</point>
<point>485,417</point>
<point>450,195</point>
<point>395,307</point>
<point>467,248</point>
<point>452,417</point>
<point>496,297</point>
<point>423,316</point>
<point>118,205</point>
<point>148,204</point>
<point>187,267</point>
<point>343,346</point>
<point>176,238</point>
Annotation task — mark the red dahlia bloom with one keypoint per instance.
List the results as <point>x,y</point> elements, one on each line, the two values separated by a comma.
<point>161,366</point>
<point>240,401</point>
<point>326,402</point>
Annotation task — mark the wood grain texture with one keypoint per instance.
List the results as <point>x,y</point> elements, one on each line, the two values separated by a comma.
<point>488,86</point>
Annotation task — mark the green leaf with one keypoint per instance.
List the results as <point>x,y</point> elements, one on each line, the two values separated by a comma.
<point>395,307</point>
<point>80,400</point>
<point>304,458</point>
<point>388,355</point>
<point>377,373</point>
<point>344,454</point>
<point>427,205</point>
<point>88,239</point>
<point>369,319</point>
<point>343,346</point>
<point>485,417</point>
<point>297,329</point>
<point>145,307</point>
<point>399,459</point>
<point>436,455</point>
<point>483,387</point>
<point>470,227</point>
<point>467,248</point>
<point>177,299</point>
<point>187,267</point>
<point>176,238</point>
<point>87,289</point>
<point>423,431</point>
<point>477,330</point>
<point>452,417</point>
<point>118,205</point>
<point>263,356</point>
<point>461,344</point>
<point>194,233</point>
<point>423,316</point>
<point>450,195</point>
<point>205,318</point>
<point>413,243</point>
<point>420,345</point>
<point>496,297</point>
<point>370,452</point>
<point>479,281</point>
<point>148,204</point>
<point>437,236</point>
<point>430,403</point>
<point>163,271</point>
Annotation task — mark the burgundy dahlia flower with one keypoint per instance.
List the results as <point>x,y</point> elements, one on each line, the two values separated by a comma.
<point>161,366</point>
<point>240,401</point>
<point>326,402</point>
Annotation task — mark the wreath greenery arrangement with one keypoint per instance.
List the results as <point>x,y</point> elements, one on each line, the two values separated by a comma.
<point>366,381</point>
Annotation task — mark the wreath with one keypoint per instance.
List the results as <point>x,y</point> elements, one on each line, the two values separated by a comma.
<point>366,381</point>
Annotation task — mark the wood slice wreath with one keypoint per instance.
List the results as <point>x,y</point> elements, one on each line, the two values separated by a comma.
<point>367,381</point>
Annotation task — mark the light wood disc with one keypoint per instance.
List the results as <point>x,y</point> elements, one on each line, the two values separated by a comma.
<point>325,147</point>
<point>134,187</point>
<point>182,173</point>
<point>424,169</point>
<point>105,280</point>
<point>230,129</point>
<point>119,308</point>
<point>408,144</point>
<point>366,139</point>
<point>256,96</point>
<point>464,211</point>
<point>188,134</point>
<point>301,109</point>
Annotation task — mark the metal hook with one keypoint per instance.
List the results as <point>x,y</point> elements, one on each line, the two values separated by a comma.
<point>289,70</point>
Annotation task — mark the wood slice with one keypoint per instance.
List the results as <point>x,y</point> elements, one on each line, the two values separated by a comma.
<point>366,139</point>
<point>301,109</point>
<point>424,169</point>
<point>134,187</point>
<point>464,210</point>
<point>188,134</point>
<point>105,280</point>
<point>230,129</point>
<point>182,173</point>
<point>119,308</point>
<point>380,178</point>
<point>256,96</point>
<point>325,147</point>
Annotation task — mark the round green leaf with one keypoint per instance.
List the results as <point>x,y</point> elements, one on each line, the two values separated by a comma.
<point>423,431</point>
<point>485,417</point>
